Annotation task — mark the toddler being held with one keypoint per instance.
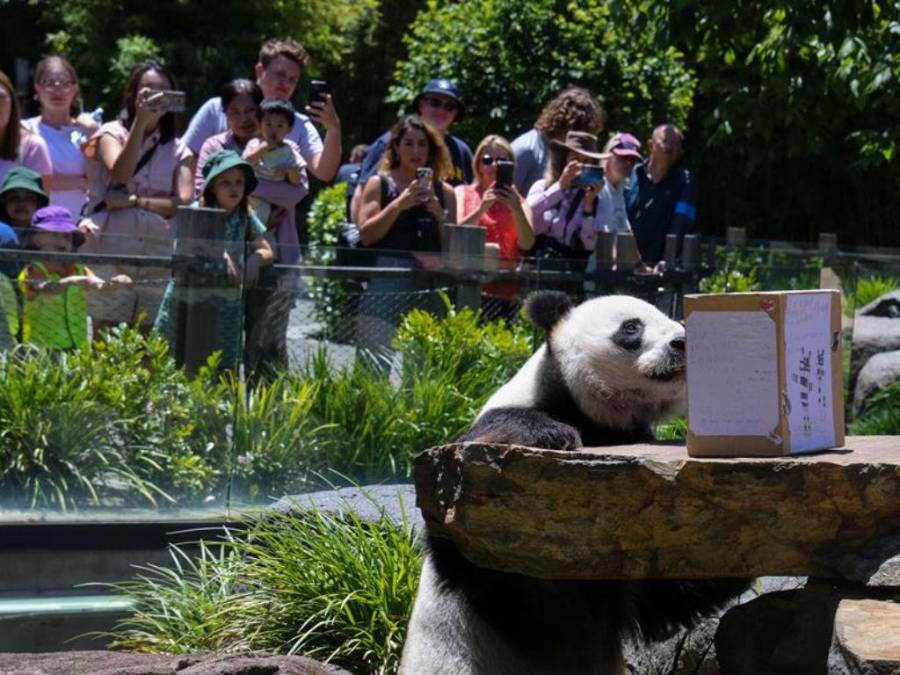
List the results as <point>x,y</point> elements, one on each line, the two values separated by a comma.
<point>274,156</point>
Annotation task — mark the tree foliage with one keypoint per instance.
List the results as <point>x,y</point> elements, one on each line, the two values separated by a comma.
<point>791,109</point>
<point>204,44</point>
<point>797,115</point>
<point>509,57</point>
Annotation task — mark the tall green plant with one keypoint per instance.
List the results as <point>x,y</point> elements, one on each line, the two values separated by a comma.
<point>327,585</point>
<point>869,289</point>
<point>59,446</point>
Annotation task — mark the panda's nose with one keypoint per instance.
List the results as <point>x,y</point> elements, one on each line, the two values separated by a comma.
<point>677,344</point>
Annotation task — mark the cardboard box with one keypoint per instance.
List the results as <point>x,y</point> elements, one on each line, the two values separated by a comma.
<point>764,373</point>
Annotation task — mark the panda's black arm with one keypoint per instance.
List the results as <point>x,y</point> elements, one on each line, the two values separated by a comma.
<point>523,426</point>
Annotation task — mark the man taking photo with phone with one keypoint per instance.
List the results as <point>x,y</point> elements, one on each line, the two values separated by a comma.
<point>278,71</point>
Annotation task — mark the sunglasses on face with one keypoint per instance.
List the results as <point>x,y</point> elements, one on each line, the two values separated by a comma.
<point>487,160</point>
<point>449,106</point>
<point>57,84</point>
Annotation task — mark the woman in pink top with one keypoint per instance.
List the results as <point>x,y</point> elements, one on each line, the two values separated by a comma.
<point>502,211</point>
<point>139,174</point>
<point>56,85</point>
<point>17,145</point>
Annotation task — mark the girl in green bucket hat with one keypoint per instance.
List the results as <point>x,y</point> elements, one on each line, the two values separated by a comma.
<point>227,182</point>
<point>21,194</point>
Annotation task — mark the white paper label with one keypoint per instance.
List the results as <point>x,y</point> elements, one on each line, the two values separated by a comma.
<point>807,336</point>
<point>732,373</point>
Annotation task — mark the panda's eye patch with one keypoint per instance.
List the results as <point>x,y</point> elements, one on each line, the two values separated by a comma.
<point>629,334</point>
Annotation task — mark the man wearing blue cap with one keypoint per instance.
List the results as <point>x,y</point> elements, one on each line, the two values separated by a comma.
<point>439,105</point>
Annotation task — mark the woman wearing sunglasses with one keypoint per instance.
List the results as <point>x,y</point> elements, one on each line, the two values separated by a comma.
<point>439,105</point>
<point>56,86</point>
<point>503,212</point>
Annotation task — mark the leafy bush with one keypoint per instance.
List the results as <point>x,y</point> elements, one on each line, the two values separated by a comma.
<point>758,269</point>
<point>331,297</point>
<point>449,368</point>
<point>60,446</point>
<point>119,424</point>
<point>328,586</point>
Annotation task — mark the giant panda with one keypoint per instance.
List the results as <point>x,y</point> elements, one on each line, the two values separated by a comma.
<point>610,368</point>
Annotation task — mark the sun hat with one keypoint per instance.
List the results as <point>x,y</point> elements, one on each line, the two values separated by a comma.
<point>23,178</point>
<point>624,145</point>
<point>221,161</point>
<point>444,88</point>
<point>57,219</point>
<point>581,142</point>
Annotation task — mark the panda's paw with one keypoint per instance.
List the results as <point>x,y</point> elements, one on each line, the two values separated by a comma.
<point>523,426</point>
<point>556,436</point>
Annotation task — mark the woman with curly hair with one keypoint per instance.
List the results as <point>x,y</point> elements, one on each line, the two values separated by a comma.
<point>572,110</point>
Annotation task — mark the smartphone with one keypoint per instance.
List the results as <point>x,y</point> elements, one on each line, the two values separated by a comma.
<point>173,101</point>
<point>591,174</point>
<point>424,176</point>
<point>318,91</point>
<point>504,173</point>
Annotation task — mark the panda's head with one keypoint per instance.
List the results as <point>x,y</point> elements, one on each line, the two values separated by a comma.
<point>621,358</point>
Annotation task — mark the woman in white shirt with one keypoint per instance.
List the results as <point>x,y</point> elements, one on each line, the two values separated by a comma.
<point>56,85</point>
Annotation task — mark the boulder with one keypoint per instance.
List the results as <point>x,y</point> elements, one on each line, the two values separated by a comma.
<point>122,663</point>
<point>866,638</point>
<point>879,371</point>
<point>780,633</point>
<point>650,511</point>
<point>887,306</point>
<point>876,329</point>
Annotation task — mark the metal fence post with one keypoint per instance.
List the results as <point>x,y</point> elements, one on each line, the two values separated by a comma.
<point>198,270</point>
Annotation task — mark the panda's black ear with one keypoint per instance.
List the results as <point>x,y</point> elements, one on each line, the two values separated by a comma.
<point>546,308</point>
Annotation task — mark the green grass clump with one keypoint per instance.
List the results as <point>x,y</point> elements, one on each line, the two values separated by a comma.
<point>868,289</point>
<point>673,430</point>
<point>881,416</point>
<point>326,585</point>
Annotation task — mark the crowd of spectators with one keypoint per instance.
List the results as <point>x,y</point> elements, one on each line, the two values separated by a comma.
<point>114,188</point>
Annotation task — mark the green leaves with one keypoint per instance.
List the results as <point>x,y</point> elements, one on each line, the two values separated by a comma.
<point>119,425</point>
<point>509,58</point>
<point>325,585</point>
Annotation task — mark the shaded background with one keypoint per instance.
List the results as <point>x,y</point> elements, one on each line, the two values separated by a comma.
<point>792,111</point>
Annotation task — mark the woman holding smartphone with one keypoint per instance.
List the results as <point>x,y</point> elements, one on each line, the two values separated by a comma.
<point>493,202</point>
<point>140,174</point>
<point>564,202</point>
<point>403,208</point>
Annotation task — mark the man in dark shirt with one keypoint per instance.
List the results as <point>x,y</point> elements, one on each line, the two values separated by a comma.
<point>439,105</point>
<point>661,198</point>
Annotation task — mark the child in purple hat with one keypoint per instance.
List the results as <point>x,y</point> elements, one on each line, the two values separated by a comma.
<point>54,309</point>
